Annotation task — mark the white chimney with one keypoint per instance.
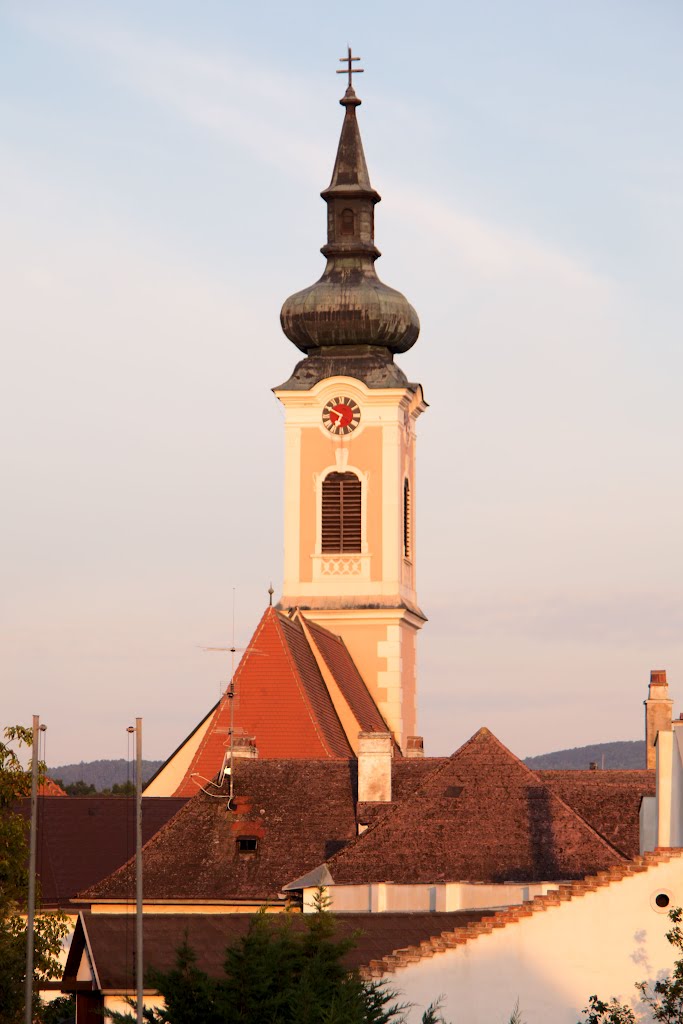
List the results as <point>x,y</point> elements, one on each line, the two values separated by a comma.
<point>375,751</point>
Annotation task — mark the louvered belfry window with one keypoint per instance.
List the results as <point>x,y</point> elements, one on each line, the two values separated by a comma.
<point>406,519</point>
<point>341,513</point>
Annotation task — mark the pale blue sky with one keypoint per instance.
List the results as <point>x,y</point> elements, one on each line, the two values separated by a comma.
<point>161,169</point>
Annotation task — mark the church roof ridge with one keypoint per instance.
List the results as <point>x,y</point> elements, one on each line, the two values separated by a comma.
<point>280,699</point>
<point>344,670</point>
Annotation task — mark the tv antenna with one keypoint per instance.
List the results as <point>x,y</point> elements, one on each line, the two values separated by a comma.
<point>229,694</point>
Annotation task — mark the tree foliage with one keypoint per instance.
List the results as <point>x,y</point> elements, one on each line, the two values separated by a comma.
<point>664,999</point>
<point>50,929</point>
<point>80,788</point>
<point>58,1010</point>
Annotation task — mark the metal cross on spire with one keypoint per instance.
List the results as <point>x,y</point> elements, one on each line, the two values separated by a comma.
<point>349,69</point>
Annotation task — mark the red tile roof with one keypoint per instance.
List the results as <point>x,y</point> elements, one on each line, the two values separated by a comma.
<point>280,698</point>
<point>49,787</point>
<point>348,678</point>
<point>301,812</point>
<point>82,839</point>
<point>480,816</point>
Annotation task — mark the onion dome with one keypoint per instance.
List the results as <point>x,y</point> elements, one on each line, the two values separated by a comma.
<point>349,315</point>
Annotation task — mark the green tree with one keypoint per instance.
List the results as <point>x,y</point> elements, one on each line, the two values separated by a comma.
<point>123,789</point>
<point>664,999</point>
<point>50,929</point>
<point>79,788</point>
<point>58,1010</point>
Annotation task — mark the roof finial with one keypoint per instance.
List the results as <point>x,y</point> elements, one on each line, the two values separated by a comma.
<point>349,69</point>
<point>270,595</point>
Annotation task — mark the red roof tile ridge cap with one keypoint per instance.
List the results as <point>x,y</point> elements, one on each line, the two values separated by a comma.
<point>293,666</point>
<point>484,733</point>
<point>311,626</point>
<point>514,914</point>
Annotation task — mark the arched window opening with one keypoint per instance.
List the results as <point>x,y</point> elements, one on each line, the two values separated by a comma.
<point>346,222</point>
<point>406,519</point>
<point>341,513</point>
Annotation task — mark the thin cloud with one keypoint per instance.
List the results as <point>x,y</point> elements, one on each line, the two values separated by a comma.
<point>244,104</point>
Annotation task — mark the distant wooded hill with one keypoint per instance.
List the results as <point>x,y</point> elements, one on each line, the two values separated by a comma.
<point>102,774</point>
<point>622,754</point>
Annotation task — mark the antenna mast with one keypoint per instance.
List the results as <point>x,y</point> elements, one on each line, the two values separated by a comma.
<point>230,690</point>
<point>231,698</point>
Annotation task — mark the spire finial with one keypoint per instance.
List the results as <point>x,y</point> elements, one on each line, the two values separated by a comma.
<point>349,316</point>
<point>349,69</point>
<point>270,595</point>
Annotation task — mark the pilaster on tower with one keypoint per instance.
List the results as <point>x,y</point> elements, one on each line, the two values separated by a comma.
<point>350,416</point>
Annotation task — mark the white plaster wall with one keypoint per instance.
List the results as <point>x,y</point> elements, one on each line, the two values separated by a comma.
<point>471,896</point>
<point>173,772</point>
<point>648,823</point>
<point>348,898</point>
<point>447,896</point>
<point>411,897</point>
<point>603,943</point>
<point>664,750</point>
<point>677,788</point>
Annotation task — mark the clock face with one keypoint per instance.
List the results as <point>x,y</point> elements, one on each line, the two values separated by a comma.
<point>341,415</point>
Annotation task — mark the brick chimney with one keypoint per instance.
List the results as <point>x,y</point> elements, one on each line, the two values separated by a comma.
<point>415,747</point>
<point>658,712</point>
<point>375,751</point>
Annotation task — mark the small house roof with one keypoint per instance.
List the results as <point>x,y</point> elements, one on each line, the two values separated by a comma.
<point>110,938</point>
<point>82,839</point>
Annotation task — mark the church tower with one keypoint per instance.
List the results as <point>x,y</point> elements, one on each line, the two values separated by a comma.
<point>350,416</point>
